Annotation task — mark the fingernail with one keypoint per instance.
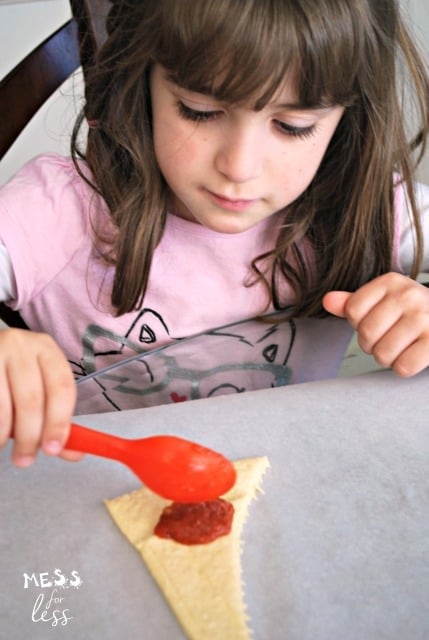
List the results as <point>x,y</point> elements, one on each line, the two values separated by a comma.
<point>52,448</point>
<point>23,461</point>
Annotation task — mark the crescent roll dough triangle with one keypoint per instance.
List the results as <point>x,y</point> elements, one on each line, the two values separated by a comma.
<point>202,582</point>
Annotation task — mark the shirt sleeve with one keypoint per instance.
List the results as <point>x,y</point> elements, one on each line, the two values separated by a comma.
<point>7,280</point>
<point>405,234</point>
<point>44,213</point>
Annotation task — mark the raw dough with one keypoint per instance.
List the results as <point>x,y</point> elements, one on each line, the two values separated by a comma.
<point>202,582</point>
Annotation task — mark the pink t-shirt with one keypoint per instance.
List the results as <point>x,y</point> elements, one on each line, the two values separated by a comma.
<point>197,282</point>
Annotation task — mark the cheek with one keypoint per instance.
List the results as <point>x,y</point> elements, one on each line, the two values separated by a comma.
<point>311,157</point>
<point>178,160</point>
<point>297,169</point>
<point>175,148</point>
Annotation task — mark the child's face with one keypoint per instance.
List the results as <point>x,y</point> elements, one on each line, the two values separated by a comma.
<point>230,167</point>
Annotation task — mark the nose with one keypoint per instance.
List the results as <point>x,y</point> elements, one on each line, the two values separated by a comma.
<point>239,157</point>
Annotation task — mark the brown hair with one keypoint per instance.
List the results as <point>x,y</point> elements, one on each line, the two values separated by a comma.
<point>355,53</point>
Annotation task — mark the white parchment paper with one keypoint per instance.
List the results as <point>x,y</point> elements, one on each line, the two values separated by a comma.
<point>337,548</point>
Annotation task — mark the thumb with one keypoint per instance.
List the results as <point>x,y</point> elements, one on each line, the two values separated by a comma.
<point>335,302</point>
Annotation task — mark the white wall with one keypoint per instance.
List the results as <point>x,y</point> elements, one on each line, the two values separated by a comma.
<point>23,24</point>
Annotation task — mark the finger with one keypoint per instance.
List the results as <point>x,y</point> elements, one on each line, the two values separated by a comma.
<point>413,359</point>
<point>335,302</point>
<point>363,302</point>
<point>399,289</point>
<point>21,395</point>
<point>404,333</point>
<point>5,408</point>
<point>400,316</point>
<point>381,326</point>
<point>26,390</point>
<point>60,398</point>
<point>71,456</point>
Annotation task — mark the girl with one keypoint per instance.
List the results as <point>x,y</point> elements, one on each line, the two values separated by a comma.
<point>243,156</point>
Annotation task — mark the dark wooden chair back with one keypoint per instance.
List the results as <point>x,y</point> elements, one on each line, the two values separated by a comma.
<point>34,79</point>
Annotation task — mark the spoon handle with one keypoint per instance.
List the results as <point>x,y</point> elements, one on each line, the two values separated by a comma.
<point>95,442</point>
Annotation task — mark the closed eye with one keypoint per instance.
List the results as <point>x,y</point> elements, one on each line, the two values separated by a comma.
<point>201,115</point>
<point>196,115</point>
<point>296,132</point>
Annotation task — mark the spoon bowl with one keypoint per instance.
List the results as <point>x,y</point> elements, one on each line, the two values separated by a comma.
<point>174,468</point>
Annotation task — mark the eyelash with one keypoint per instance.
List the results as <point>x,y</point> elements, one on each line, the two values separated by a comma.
<point>196,116</point>
<point>206,116</point>
<point>297,132</point>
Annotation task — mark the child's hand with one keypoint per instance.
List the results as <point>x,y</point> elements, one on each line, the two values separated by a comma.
<point>391,317</point>
<point>37,394</point>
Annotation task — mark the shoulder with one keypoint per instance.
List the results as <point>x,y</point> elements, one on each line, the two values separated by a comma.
<point>45,219</point>
<point>47,193</point>
<point>42,168</point>
<point>47,179</point>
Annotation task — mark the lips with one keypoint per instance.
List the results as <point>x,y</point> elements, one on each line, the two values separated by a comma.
<point>232,204</point>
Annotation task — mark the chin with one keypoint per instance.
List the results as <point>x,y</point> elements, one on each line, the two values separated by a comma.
<point>229,228</point>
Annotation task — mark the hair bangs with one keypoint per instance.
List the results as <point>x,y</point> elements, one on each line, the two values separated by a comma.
<point>235,51</point>
<point>246,51</point>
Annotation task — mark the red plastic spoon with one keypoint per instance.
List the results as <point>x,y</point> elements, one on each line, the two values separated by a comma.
<point>172,467</point>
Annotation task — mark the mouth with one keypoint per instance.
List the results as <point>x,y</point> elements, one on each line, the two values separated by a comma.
<point>232,204</point>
